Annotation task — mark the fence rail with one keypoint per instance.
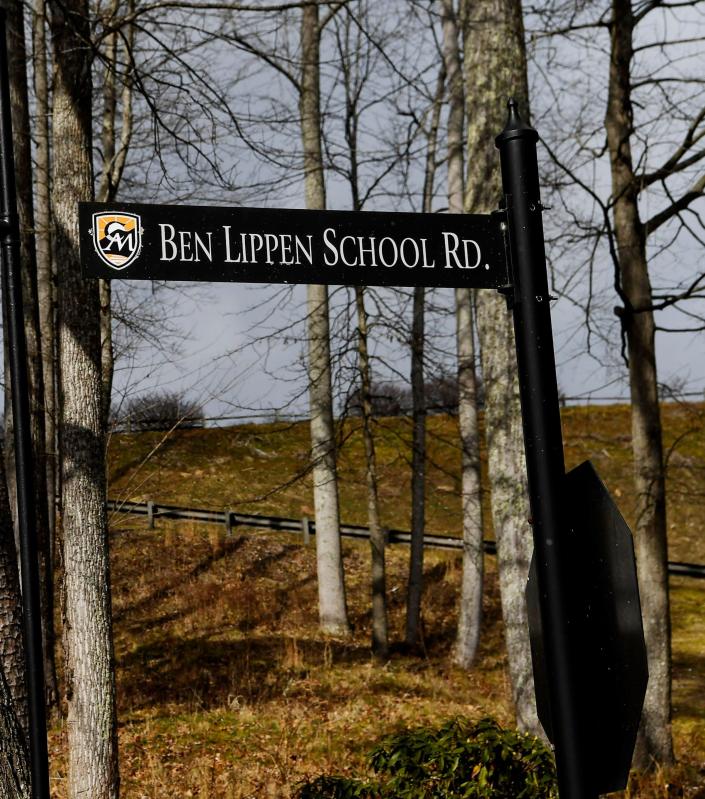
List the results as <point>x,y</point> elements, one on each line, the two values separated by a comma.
<point>307,527</point>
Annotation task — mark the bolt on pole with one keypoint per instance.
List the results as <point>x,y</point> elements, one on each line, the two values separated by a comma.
<point>29,568</point>
<point>543,441</point>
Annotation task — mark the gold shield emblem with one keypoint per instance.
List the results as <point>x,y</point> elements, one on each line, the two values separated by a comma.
<point>117,237</point>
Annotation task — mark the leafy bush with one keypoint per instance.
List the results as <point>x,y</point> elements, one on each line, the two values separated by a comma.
<point>457,760</point>
<point>337,788</point>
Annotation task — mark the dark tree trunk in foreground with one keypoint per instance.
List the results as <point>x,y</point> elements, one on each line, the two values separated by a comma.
<point>15,778</point>
<point>87,634</point>
<point>332,604</point>
<point>12,660</point>
<point>495,68</point>
<point>650,537</point>
<point>23,171</point>
<point>380,639</point>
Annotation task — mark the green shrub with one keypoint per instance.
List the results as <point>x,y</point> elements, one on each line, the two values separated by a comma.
<point>337,788</point>
<point>457,760</point>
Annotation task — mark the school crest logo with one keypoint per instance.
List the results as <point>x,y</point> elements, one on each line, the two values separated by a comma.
<point>117,237</point>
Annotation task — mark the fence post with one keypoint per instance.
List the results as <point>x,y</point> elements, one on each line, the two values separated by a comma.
<point>150,514</point>
<point>228,523</point>
<point>306,530</point>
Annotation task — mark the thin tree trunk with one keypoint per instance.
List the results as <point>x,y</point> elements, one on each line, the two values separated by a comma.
<point>45,276</point>
<point>418,468</point>
<point>106,194</point>
<point>12,661</point>
<point>87,638</point>
<point>650,536</point>
<point>114,158</point>
<point>23,172</point>
<point>333,612</point>
<point>470,611</point>
<point>418,399</point>
<point>380,638</point>
<point>495,68</point>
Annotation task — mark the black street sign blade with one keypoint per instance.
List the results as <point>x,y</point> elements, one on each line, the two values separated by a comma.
<point>260,245</point>
<point>608,652</point>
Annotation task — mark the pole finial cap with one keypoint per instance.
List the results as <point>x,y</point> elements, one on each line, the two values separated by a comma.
<point>515,127</point>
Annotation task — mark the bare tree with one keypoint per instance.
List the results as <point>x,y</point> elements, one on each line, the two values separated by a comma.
<point>495,68</point>
<point>331,583</point>
<point>638,324</point>
<point>470,611</point>
<point>115,145</point>
<point>87,634</point>
<point>380,637</point>
<point>418,399</point>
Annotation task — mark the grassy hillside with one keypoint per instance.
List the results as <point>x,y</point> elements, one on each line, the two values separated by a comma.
<point>225,686</point>
<point>262,468</point>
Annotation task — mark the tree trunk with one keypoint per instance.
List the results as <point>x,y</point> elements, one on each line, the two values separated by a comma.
<point>650,536</point>
<point>12,660</point>
<point>470,611</point>
<point>14,711</point>
<point>495,68</point>
<point>23,171</point>
<point>15,778</point>
<point>332,605</point>
<point>106,193</point>
<point>418,399</point>
<point>87,638</point>
<point>380,639</point>
<point>107,356</point>
<point>114,158</point>
<point>45,277</point>
<point>418,469</point>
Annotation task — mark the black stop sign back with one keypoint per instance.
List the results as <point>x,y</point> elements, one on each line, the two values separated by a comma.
<point>607,648</point>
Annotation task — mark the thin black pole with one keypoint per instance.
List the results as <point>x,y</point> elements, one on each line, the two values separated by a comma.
<point>17,346</point>
<point>543,442</point>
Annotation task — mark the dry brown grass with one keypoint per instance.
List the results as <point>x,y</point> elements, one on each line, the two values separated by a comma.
<point>225,686</point>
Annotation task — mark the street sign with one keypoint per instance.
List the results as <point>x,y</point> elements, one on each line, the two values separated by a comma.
<point>605,632</point>
<point>264,245</point>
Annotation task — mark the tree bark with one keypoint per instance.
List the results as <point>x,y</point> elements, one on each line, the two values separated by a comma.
<point>23,172</point>
<point>380,637</point>
<point>15,778</point>
<point>45,275</point>
<point>495,68</point>
<point>332,605</point>
<point>14,712</point>
<point>114,159</point>
<point>470,610</point>
<point>87,638</point>
<point>418,400</point>
<point>650,535</point>
<point>418,469</point>
<point>12,659</point>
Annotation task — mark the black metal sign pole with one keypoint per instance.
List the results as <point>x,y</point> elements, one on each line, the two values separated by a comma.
<point>12,300</point>
<point>542,439</point>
